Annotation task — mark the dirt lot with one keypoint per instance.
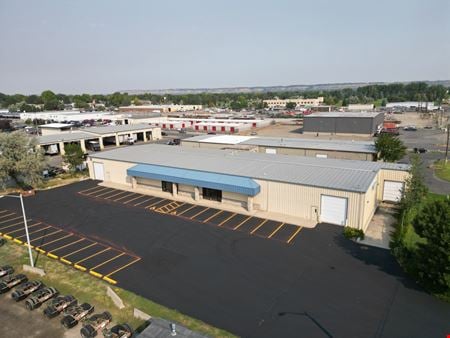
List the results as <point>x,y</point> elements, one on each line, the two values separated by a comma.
<point>14,315</point>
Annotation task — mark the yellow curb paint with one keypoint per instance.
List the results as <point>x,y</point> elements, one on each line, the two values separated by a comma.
<point>7,236</point>
<point>65,261</point>
<point>79,267</point>
<point>110,280</point>
<point>40,250</point>
<point>52,256</point>
<point>96,274</point>
<point>17,241</point>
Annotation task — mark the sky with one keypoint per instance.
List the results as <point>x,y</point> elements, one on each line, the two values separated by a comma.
<point>102,46</point>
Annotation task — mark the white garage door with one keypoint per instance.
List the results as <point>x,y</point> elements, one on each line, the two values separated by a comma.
<point>98,171</point>
<point>392,191</point>
<point>333,210</point>
<point>271,151</point>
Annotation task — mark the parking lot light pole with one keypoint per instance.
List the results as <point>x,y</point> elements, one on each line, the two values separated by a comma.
<point>26,225</point>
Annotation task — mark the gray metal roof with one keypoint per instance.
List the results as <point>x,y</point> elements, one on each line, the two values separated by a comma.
<point>344,114</point>
<point>346,175</point>
<point>63,137</point>
<point>160,328</point>
<point>298,143</point>
<point>117,129</point>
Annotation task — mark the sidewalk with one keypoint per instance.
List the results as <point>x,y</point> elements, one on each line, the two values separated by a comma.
<point>305,223</point>
<point>379,231</point>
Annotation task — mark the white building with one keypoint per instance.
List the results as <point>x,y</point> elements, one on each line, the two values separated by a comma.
<point>280,104</point>
<point>360,107</point>
<point>66,115</point>
<point>412,105</point>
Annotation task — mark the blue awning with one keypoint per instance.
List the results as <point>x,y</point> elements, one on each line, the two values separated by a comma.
<point>230,183</point>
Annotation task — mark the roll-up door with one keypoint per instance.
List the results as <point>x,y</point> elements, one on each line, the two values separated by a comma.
<point>333,209</point>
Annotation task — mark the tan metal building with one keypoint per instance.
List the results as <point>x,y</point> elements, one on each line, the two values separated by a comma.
<point>350,150</point>
<point>341,192</point>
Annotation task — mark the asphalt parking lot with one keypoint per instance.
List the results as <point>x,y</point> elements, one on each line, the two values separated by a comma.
<point>318,285</point>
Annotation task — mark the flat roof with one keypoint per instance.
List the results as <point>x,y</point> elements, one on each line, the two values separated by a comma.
<point>117,129</point>
<point>344,114</point>
<point>282,142</point>
<point>63,137</point>
<point>345,175</point>
<point>55,125</point>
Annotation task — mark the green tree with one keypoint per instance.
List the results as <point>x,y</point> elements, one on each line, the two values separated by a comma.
<point>291,105</point>
<point>20,160</point>
<point>433,255</point>
<point>415,189</point>
<point>74,155</point>
<point>390,148</point>
<point>51,101</point>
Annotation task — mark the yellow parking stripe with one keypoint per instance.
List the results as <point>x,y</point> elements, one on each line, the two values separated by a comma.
<point>11,219</point>
<point>93,255</point>
<point>144,201</point>
<point>56,240</point>
<point>21,229</point>
<point>119,193</point>
<point>66,245</point>
<point>11,225</point>
<point>52,233</point>
<point>127,195</point>
<point>13,213</point>
<point>123,267</point>
<point>156,203</point>
<point>186,210</point>
<point>83,191</point>
<point>33,232</point>
<point>105,193</point>
<point>216,214</point>
<point>109,260</point>
<point>259,226</point>
<point>276,230</point>
<point>133,199</point>
<point>240,224</point>
<point>96,191</point>
<point>226,219</point>
<point>74,252</point>
<point>199,213</point>
<point>293,236</point>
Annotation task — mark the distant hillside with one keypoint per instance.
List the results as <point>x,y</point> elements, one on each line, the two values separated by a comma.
<point>292,88</point>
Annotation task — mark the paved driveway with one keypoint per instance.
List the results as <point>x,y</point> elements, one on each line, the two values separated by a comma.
<point>320,285</point>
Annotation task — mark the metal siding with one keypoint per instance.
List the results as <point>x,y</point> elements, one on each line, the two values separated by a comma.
<point>389,175</point>
<point>297,200</point>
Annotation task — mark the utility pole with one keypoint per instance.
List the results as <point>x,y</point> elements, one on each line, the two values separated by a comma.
<point>446,148</point>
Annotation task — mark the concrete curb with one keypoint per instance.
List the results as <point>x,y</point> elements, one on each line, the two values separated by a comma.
<point>115,298</point>
<point>141,315</point>
<point>37,271</point>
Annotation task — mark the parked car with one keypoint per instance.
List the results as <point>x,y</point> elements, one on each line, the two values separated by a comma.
<point>39,297</point>
<point>11,281</point>
<point>410,128</point>
<point>58,305</point>
<point>73,314</point>
<point>6,270</point>
<point>119,331</point>
<point>253,133</point>
<point>27,190</point>
<point>420,150</point>
<point>95,324</point>
<point>174,142</point>
<point>26,289</point>
<point>428,127</point>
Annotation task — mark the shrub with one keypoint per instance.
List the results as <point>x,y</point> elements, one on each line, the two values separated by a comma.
<point>352,233</point>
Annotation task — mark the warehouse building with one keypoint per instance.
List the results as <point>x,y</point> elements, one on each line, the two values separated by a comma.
<point>96,138</point>
<point>350,150</point>
<point>335,123</point>
<point>341,192</point>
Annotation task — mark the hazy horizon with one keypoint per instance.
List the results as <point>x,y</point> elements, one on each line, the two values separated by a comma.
<point>107,46</point>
